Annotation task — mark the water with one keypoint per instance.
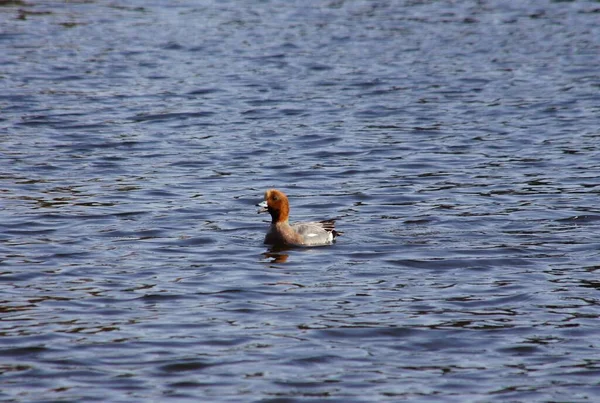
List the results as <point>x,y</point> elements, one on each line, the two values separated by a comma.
<point>457,142</point>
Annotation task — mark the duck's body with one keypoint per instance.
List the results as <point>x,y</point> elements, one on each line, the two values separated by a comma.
<point>281,232</point>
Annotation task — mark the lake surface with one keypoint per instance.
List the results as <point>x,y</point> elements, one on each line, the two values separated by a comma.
<point>457,143</point>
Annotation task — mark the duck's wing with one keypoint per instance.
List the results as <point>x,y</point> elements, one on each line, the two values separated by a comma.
<point>317,232</point>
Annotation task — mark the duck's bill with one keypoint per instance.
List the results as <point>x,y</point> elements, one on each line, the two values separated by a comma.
<point>263,207</point>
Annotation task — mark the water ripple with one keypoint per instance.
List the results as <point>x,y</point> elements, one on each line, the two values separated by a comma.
<point>456,144</point>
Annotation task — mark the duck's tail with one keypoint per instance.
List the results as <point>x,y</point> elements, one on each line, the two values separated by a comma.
<point>329,225</point>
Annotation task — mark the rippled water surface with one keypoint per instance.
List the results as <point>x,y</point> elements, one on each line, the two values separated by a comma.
<point>457,142</point>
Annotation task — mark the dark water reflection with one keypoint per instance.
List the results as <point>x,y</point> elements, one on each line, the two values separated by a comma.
<point>457,142</point>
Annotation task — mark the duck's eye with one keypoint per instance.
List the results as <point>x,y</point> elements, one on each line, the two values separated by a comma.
<point>275,197</point>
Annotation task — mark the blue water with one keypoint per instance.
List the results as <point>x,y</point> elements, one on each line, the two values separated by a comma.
<point>457,143</point>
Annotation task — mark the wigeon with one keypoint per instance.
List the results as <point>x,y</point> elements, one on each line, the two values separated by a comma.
<point>316,233</point>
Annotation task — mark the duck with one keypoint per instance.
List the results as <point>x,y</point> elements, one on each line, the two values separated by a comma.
<point>304,234</point>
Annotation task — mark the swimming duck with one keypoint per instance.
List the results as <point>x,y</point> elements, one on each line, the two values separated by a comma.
<point>281,232</point>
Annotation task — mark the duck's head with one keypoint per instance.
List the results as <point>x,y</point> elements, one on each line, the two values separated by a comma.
<point>276,203</point>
